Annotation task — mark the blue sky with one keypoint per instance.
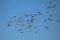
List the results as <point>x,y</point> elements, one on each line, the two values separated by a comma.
<point>9,8</point>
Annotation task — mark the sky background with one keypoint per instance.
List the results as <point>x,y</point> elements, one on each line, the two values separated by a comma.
<point>17,8</point>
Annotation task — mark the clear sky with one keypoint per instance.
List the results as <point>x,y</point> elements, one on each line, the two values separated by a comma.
<point>9,8</point>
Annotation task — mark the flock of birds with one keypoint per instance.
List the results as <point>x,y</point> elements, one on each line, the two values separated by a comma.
<point>20,21</point>
<point>31,19</point>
